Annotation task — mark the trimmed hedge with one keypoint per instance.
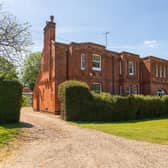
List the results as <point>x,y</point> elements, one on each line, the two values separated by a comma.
<point>79,104</point>
<point>10,100</point>
<point>73,96</point>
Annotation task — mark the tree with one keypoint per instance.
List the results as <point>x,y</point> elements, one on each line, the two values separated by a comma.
<point>15,38</point>
<point>31,69</point>
<point>7,69</point>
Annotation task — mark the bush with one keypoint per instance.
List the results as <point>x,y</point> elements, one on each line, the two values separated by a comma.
<point>78,103</point>
<point>74,96</point>
<point>24,101</point>
<point>10,100</point>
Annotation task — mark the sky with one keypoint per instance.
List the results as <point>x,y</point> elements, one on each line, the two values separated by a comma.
<point>138,26</point>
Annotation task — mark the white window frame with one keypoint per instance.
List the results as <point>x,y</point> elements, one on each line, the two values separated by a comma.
<point>132,67</point>
<point>96,68</point>
<point>100,85</point>
<point>83,61</point>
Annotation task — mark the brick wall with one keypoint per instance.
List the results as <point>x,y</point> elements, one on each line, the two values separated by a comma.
<point>62,62</point>
<point>153,81</point>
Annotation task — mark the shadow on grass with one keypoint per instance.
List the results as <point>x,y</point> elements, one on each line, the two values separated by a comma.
<point>17,125</point>
<point>11,131</point>
<point>119,122</point>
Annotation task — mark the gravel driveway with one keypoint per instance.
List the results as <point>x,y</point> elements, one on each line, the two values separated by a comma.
<point>50,142</point>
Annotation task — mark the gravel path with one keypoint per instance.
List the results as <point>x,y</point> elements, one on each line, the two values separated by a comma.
<point>52,143</point>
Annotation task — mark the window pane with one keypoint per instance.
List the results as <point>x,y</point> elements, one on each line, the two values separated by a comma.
<point>120,90</point>
<point>96,62</point>
<point>130,68</point>
<point>97,87</point>
<point>164,72</point>
<point>96,58</point>
<point>128,91</point>
<point>160,92</point>
<point>160,72</point>
<point>135,90</point>
<point>83,61</point>
<point>120,67</point>
<point>157,71</point>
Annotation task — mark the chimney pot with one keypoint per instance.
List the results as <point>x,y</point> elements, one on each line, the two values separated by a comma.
<point>51,18</point>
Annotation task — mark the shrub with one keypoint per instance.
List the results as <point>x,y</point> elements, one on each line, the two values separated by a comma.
<point>74,96</point>
<point>78,103</point>
<point>165,106</point>
<point>10,101</point>
<point>24,101</point>
<point>149,106</point>
<point>124,108</point>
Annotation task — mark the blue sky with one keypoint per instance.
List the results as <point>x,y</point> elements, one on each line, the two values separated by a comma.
<point>138,26</point>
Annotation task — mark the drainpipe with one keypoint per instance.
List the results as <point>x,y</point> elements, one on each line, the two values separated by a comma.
<point>67,64</point>
<point>113,88</point>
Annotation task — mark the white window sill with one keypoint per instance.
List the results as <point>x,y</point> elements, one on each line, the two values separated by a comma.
<point>96,69</point>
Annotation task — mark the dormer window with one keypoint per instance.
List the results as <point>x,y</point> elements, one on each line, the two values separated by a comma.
<point>96,62</point>
<point>131,68</point>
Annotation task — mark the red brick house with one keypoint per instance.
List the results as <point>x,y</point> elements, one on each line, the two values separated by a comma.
<point>108,71</point>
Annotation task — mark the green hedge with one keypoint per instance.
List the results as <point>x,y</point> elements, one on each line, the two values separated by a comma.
<point>79,104</point>
<point>73,96</point>
<point>24,101</point>
<point>10,100</point>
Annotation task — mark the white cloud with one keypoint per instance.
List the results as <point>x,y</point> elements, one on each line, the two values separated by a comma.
<point>151,43</point>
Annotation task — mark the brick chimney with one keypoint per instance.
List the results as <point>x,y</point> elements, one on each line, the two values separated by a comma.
<point>49,32</point>
<point>49,37</point>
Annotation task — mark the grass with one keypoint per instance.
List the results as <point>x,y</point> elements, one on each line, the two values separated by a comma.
<point>155,131</point>
<point>8,132</point>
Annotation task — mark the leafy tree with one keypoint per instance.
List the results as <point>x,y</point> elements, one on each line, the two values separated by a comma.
<point>31,69</point>
<point>7,69</point>
<point>15,37</point>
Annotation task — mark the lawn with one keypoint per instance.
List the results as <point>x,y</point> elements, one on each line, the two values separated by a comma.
<point>155,131</point>
<point>7,133</point>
